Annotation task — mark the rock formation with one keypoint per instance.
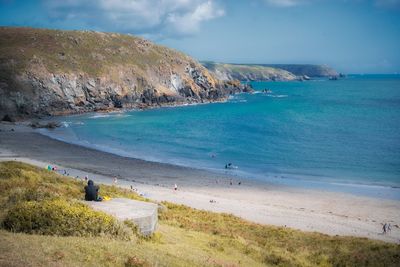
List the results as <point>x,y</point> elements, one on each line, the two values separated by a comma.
<point>268,72</point>
<point>51,72</point>
<point>225,72</point>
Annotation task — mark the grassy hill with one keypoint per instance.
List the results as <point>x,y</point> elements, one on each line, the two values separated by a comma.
<point>224,71</point>
<point>185,236</point>
<point>306,69</point>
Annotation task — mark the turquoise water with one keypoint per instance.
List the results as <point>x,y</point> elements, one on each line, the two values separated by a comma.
<point>336,135</point>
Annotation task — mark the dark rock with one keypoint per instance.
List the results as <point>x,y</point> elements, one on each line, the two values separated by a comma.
<point>8,118</point>
<point>49,125</point>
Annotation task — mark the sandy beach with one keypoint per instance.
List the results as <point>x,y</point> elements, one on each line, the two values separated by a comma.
<point>308,210</point>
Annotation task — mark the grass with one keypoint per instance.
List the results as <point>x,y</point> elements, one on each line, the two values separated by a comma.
<point>243,72</point>
<point>78,51</point>
<point>185,236</point>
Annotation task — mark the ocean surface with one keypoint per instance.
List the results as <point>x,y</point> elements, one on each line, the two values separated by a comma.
<point>332,135</point>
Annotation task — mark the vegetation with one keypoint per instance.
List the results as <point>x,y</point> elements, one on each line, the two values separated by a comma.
<point>63,218</point>
<point>247,72</point>
<point>185,236</point>
<point>76,51</point>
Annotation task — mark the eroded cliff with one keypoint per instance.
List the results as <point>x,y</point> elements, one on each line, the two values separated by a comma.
<point>50,72</point>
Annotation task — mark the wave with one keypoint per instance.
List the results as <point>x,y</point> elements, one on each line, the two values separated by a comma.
<point>278,96</point>
<point>238,101</point>
<point>67,124</point>
<point>109,115</point>
<point>101,115</point>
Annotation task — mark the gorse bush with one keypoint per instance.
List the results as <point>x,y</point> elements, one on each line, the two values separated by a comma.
<point>64,218</point>
<point>136,262</point>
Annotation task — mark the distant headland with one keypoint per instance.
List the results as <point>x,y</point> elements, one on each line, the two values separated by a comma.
<point>269,72</point>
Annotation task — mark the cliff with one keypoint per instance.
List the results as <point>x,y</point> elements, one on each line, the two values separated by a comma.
<point>306,69</point>
<point>241,72</point>
<point>50,72</point>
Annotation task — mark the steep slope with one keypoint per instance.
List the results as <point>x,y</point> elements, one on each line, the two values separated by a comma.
<point>47,72</point>
<point>241,72</point>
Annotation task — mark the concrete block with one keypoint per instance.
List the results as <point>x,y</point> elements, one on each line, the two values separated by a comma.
<point>143,214</point>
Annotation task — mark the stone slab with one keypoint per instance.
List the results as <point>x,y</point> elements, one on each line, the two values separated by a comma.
<point>144,214</point>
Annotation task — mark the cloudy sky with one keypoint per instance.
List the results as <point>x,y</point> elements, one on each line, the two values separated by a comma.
<point>354,36</point>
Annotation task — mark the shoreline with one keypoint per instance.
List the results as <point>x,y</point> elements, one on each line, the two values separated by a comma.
<point>331,213</point>
<point>302,181</point>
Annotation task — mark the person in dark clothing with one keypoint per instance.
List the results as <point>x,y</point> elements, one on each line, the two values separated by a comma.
<point>91,192</point>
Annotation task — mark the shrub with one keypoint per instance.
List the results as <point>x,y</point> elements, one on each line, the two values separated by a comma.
<point>64,218</point>
<point>136,262</point>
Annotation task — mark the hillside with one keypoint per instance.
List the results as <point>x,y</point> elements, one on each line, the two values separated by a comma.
<point>185,236</point>
<point>306,69</point>
<point>226,72</point>
<point>47,72</point>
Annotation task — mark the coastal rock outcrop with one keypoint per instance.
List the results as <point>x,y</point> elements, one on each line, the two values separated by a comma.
<point>268,72</point>
<point>243,72</point>
<point>305,70</point>
<point>51,72</point>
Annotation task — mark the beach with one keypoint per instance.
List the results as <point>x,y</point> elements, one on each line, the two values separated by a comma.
<point>321,211</point>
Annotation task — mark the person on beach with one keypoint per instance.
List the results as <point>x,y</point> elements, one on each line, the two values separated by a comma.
<point>92,192</point>
<point>384,228</point>
<point>175,187</point>
<point>115,180</point>
<point>389,228</point>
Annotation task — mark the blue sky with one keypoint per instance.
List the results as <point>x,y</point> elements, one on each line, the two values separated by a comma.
<point>353,36</point>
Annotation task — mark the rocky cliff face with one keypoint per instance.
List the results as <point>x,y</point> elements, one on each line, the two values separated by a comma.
<point>241,72</point>
<point>49,72</point>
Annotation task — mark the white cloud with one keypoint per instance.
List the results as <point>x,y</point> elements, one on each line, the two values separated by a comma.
<point>190,21</point>
<point>151,17</point>
<point>285,3</point>
<point>292,3</point>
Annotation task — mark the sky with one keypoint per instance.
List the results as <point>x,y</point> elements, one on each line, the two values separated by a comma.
<point>353,36</point>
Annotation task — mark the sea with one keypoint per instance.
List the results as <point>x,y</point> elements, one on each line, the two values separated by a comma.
<point>341,136</point>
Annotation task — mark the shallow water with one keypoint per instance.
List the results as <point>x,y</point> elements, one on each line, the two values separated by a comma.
<point>336,135</point>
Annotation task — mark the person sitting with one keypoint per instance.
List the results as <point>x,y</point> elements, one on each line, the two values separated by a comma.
<point>91,192</point>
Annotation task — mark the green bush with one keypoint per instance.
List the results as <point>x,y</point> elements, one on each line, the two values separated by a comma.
<point>63,218</point>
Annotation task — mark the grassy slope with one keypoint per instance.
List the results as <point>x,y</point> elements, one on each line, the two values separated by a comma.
<point>78,51</point>
<point>241,71</point>
<point>185,236</point>
<point>305,69</point>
